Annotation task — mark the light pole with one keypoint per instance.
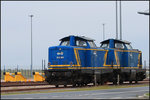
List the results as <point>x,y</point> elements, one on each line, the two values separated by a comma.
<point>17,68</point>
<point>116,20</point>
<point>42,64</point>
<point>103,31</point>
<point>120,22</point>
<point>4,68</point>
<point>31,44</point>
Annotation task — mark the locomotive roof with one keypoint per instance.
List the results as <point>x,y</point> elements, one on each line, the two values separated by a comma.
<point>116,40</point>
<point>78,37</point>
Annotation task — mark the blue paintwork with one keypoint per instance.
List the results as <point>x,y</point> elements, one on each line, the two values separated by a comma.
<point>64,55</point>
<point>72,40</point>
<point>111,43</point>
<point>56,59</point>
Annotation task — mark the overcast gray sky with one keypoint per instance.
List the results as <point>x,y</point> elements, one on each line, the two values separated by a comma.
<point>56,19</point>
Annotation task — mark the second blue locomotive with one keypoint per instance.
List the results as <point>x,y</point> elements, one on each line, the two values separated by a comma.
<point>78,61</point>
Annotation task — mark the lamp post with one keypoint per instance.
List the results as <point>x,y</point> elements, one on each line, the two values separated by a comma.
<point>4,68</point>
<point>120,22</point>
<point>103,31</point>
<point>17,68</point>
<point>116,20</point>
<point>31,44</point>
<point>42,64</point>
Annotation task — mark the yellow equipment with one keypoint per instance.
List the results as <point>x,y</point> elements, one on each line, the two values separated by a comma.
<point>8,77</point>
<point>19,77</point>
<point>38,77</point>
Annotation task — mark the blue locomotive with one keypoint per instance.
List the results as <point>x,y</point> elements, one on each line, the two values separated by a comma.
<point>78,61</point>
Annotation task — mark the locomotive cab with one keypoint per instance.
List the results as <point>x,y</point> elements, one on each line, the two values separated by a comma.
<point>122,50</point>
<point>117,44</point>
<point>78,41</point>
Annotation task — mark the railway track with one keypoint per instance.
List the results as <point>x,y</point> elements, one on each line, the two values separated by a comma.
<point>32,89</point>
<point>32,83</point>
<point>29,86</point>
<point>13,84</point>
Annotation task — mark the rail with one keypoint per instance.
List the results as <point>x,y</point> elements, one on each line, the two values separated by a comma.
<point>27,86</point>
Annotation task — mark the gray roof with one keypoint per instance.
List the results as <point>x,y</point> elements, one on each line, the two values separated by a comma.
<point>79,37</point>
<point>121,41</point>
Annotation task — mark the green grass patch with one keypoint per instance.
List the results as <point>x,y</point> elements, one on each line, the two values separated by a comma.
<point>76,89</point>
<point>147,94</point>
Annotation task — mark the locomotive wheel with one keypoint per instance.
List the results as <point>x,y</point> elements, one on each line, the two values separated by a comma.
<point>98,83</point>
<point>114,82</point>
<point>85,84</point>
<point>121,82</point>
<point>136,81</point>
<point>79,84</point>
<point>130,81</point>
<point>56,86</point>
<point>115,79</point>
<point>102,83</point>
<point>74,85</point>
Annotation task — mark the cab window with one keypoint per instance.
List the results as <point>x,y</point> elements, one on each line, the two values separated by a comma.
<point>81,43</point>
<point>119,45</point>
<point>65,43</point>
<point>128,46</point>
<point>92,44</point>
<point>105,45</point>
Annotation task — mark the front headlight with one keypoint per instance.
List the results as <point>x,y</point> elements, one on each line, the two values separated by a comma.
<point>49,63</point>
<point>71,63</point>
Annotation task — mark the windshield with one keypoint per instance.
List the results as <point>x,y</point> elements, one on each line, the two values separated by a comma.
<point>105,45</point>
<point>92,44</point>
<point>81,43</point>
<point>119,45</point>
<point>128,46</point>
<point>65,43</point>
